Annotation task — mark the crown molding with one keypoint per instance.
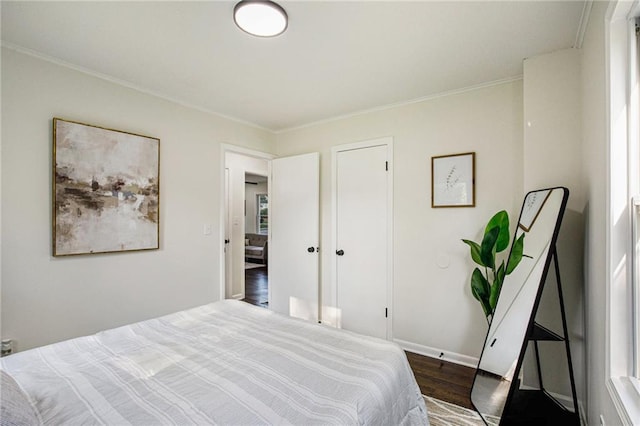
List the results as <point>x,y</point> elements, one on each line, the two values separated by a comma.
<point>132,86</point>
<point>125,83</point>
<point>404,103</point>
<point>584,22</point>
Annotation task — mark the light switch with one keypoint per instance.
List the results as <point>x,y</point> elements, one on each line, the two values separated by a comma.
<point>207,229</point>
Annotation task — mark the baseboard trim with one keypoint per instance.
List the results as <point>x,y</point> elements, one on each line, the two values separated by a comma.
<point>456,358</point>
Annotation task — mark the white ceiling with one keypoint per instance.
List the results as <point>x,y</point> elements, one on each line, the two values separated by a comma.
<point>336,58</point>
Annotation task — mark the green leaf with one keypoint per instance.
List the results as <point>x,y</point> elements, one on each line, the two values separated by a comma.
<point>481,290</point>
<point>475,251</point>
<point>501,220</point>
<point>496,287</point>
<point>516,254</point>
<point>479,284</point>
<point>488,247</point>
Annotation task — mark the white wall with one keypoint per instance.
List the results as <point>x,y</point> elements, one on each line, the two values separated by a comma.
<point>46,299</point>
<point>552,118</point>
<point>432,308</point>
<point>552,157</point>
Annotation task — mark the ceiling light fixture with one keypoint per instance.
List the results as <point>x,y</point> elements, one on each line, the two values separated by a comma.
<point>261,18</point>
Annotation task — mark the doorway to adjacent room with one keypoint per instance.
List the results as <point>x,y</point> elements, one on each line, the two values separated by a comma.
<point>245,208</point>
<point>256,270</point>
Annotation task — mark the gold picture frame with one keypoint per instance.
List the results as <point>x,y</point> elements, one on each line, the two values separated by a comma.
<point>533,203</point>
<point>106,190</point>
<point>453,180</point>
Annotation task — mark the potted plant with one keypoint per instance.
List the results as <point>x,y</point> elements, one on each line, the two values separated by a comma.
<point>486,282</point>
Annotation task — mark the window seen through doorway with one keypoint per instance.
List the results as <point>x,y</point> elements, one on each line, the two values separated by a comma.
<point>262,219</point>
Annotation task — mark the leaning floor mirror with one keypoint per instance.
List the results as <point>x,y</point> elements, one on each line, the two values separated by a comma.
<point>496,393</point>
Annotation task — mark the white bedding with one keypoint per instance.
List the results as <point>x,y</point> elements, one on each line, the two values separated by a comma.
<point>223,363</point>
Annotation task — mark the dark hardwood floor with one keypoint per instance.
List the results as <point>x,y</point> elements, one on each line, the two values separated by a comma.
<point>256,286</point>
<point>443,380</point>
<point>439,379</point>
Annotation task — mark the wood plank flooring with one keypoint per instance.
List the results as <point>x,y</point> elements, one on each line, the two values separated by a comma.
<point>439,379</point>
<point>443,380</point>
<point>256,286</point>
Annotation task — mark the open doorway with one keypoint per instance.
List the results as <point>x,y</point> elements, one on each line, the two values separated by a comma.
<point>256,227</point>
<point>293,233</point>
<point>245,186</point>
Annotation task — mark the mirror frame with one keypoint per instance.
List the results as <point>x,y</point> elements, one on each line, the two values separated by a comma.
<point>552,252</point>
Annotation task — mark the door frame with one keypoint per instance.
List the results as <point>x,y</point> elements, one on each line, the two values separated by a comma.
<point>224,149</point>
<point>384,141</point>
<point>227,276</point>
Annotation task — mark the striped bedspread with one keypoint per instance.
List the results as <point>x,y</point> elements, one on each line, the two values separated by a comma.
<point>222,363</point>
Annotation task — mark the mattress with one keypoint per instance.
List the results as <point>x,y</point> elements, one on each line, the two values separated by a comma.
<point>223,363</point>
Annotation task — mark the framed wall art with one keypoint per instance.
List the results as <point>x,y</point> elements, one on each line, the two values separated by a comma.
<point>453,180</point>
<point>106,190</point>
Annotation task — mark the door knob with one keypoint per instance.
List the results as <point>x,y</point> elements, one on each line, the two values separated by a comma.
<point>340,252</point>
<point>311,249</point>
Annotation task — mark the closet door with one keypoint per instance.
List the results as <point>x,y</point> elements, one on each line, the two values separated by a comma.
<point>294,229</point>
<point>362,239</point>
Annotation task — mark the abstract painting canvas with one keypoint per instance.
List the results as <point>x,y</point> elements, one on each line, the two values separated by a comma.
<point>106,193</point>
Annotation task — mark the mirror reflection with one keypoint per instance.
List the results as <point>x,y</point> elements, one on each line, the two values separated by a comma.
<point>506,338</point>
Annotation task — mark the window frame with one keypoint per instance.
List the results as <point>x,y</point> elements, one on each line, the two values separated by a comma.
<point>623,184</point>
<point>634,184</point>
<point>259,216</point>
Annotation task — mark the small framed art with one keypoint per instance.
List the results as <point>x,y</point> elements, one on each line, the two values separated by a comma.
<point>106,193</point>
<point>453,180</point>
<point>531,208</point>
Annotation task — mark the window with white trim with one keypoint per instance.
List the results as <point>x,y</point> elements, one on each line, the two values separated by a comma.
<point>634,179</point>
<point>262,213</point>
<point>623,292</point>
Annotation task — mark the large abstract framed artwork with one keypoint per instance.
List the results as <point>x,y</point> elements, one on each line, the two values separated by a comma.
<point>106,190</point>
<point>453,180</point>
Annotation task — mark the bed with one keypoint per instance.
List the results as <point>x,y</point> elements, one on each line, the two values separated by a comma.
<point>226,362</point>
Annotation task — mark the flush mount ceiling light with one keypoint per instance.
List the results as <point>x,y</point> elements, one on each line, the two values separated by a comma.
<point>262,18</point>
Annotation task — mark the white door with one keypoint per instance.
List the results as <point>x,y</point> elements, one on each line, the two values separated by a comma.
<point>294,235</point>
<point>362,240</point>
